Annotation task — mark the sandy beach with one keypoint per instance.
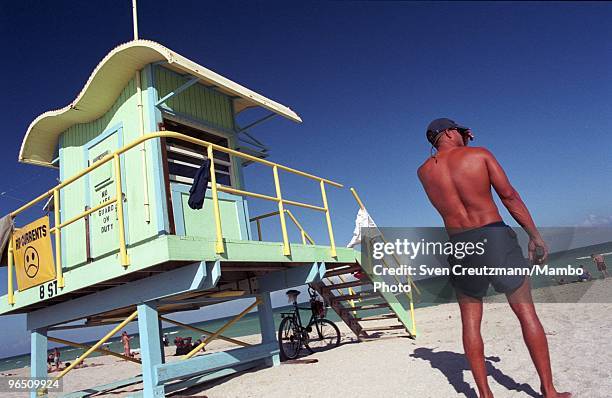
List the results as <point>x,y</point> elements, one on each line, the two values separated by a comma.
<point>433,365</point>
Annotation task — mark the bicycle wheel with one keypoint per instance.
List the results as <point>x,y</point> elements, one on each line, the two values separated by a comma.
<point>289,339</point>
<point>322,335</point>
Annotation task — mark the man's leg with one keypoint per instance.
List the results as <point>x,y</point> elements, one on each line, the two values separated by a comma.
<point>521,303</point>
<point>471,317</point>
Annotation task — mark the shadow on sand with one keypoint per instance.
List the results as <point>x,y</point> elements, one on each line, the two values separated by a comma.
<point>452,365</point>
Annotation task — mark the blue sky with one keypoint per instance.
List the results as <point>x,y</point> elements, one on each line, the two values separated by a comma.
<point>533,80</point>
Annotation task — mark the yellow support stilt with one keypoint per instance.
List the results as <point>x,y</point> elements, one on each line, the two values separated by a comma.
<point>223,328</point>
<point>86,347</point>
<point>97,345</point>
<point>203,331</point>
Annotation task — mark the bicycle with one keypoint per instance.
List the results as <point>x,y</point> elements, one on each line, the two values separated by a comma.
<point>320,333</point>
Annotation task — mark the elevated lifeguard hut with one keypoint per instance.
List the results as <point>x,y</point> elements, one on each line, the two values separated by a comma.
<point>128,247</point>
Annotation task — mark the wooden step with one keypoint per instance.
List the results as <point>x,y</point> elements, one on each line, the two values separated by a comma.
<point>342,271</point>
<point>347,317</point>
<point>365,307</point>
<point>371,299</point>
<point>377,317</point>
<point>346,285</point>
<point>356,296</point>
<point>383,328</point>
<point>332,266</point>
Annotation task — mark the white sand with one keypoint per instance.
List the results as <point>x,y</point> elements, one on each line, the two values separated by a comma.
<point>579,336</point>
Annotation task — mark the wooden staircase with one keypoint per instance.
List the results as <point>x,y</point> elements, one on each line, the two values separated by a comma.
<point>350,297</point>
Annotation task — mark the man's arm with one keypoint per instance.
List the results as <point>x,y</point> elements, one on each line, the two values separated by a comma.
<point>515,205</point>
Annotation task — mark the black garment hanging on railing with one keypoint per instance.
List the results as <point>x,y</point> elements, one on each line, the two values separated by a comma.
<point>197,192</point>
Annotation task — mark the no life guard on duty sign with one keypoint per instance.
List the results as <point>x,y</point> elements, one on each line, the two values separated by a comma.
<point>33,254</point>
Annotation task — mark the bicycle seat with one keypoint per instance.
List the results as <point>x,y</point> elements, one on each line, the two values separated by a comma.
<point>292,292</point>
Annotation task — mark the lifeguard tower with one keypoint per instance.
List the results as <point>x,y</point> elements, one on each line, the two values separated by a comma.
<point>128,247</point>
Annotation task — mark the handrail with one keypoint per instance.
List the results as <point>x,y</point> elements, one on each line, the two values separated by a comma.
<point>361,205</point>
<point>119,198</point>
<point>412,284</point>
<point>305,237</point>
<point>303,233</point>
<point>168,134</point>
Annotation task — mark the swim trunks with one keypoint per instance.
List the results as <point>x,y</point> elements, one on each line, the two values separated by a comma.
<point>501,250</point>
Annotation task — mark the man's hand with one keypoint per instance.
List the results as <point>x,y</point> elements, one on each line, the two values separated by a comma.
<point>538,251</point>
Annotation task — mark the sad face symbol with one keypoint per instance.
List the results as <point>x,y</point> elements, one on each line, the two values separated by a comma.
<point>31,261</point>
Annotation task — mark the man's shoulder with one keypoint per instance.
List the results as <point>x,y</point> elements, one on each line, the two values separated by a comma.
<point>423,167</point>
<point>466,151</point>
<point>472,153</point>
<point>476,151</point>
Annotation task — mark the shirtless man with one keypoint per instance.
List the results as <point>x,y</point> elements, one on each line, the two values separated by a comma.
<point>598,259</point>
<point>125,339</point>
<point>458,181</point>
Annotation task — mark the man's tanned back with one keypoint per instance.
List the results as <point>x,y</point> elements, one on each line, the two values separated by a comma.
<point>458,183</point>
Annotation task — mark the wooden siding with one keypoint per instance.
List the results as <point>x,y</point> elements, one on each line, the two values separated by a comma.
<point>123,114</point>
<point>198,102</point>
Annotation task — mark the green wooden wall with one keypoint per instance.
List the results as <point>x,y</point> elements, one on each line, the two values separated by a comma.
<point>199,102</point>
<point>124,114</point>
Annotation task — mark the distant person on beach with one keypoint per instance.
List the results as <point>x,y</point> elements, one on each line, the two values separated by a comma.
<point>178,342</point>
<point>183,345</point>
<point>165,340</point>
<point>50,360</point>
<point>196,343</point>
<point>458,182</point>
<point>585,276</point>
<point>125,339</point>
<point>601,265</point>
<point>56,358</point>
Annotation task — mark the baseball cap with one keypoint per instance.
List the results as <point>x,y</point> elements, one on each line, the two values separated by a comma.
<point>437,126</point>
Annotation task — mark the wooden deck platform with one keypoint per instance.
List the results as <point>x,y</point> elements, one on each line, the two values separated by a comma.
<point>241,261</point>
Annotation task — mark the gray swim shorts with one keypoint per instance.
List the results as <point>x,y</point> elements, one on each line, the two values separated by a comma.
<point>501,250</point>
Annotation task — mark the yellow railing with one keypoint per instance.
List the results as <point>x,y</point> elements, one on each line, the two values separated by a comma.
<point>306,238</point>
<point>409,295</point>
<point>118,199</point>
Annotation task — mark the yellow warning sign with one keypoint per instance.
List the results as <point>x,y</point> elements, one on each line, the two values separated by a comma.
<point>33,254</point>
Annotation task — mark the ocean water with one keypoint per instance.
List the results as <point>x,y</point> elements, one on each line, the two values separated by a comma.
<point>439,290</point>
<point>434,291</point>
